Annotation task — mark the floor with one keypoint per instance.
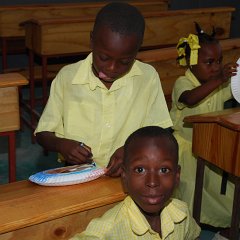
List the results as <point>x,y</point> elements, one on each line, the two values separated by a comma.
<point>31,159</point>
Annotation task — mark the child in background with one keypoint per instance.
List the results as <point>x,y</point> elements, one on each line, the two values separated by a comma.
<point>204,88</point>
<point>150,174</point>
<point>96,103</point>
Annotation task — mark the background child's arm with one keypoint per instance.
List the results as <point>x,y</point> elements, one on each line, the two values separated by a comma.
<point>194,96</point>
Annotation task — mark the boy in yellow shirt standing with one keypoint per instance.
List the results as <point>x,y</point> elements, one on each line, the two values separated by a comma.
<point>150,174</point>
<point>102,99</point>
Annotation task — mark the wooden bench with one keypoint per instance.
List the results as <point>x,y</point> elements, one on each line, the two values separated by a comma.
<point>51,37</point>
<point>164,60</point>
<point>9,115</point>
<point>30,211</point>
<point>12,16</point>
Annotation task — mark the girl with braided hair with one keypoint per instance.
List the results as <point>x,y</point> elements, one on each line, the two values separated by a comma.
<point>204,88</point>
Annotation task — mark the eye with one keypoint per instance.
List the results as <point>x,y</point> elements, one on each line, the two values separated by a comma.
<point>209,62</point>
<point>220,61</point>
<point>103,58</point>
<point>139,170</point>
<point>126,61</point>
<point>164,170</point>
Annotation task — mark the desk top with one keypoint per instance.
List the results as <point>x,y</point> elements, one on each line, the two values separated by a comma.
<point>229,118</point>
<point>24,203</point>
<point>12,80</point>
<point>216,138</point>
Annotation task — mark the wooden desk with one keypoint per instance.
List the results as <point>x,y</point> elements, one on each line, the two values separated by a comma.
<point>216,139</point>
<point>12,16</point>
<point>9,114</point>
<point>60,36</point>
<point>30,211</point>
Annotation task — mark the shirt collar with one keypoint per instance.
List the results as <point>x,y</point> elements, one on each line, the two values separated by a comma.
<point>85,75</point>
<point>192,77</point>
<point>139,224</point>
<point>171,214</point>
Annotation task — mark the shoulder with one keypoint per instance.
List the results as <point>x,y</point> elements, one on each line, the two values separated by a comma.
<point>187,80</point>
<point>107,223</point>
<point>145,67</point>
<point>70,68</point>
<point>185,227</point>
<point>180,205</point>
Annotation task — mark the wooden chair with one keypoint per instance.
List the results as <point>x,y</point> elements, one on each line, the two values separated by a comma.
<point>9,115</point>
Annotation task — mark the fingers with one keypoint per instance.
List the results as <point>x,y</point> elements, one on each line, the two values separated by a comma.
<point>114,168</point>
<point>79,154</point>
<point>86,151</point>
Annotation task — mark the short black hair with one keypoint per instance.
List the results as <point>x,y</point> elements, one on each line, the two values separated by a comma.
<point>150,132</point>
<point>121,18</point>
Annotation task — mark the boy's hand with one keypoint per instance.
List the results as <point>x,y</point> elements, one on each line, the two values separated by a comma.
<point>228,71</point>
<point>75,152</point>
<point>114,167</point>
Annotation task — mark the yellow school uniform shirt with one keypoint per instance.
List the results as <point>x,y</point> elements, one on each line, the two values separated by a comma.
<point>216,208</point>
<point>125,221</point>
<point>81,108</point>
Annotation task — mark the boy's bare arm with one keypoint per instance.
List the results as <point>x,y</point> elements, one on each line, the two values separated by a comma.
<point>71,150</point>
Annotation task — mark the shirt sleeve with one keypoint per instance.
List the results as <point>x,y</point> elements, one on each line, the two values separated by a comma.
<point>157,111</point>
<point>193,229</point>
<point>84,236</point>
<point>52,117</point>
<point>181,85</point>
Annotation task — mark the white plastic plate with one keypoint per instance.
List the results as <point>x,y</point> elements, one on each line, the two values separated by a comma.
<point>235,83</point>
<point>68,175</point>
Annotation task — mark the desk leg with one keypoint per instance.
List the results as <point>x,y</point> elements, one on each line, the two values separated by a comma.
<point>44,79</point>
<point>12,156</point>
<point>4,53</point>
<point>198,189</point>
<point>234,230</point>
<point>32,92</point>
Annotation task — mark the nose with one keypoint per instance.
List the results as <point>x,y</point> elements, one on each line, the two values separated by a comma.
<point>152,179</point>
<point>112,66</point>
<point>217,66</point>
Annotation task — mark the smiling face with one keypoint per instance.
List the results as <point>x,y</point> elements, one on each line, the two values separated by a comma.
<point>209,62</point>
<point>113,54</point>
<point>150,173</point>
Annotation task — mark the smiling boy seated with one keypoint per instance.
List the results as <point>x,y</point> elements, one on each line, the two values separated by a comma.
<point>150,175</point>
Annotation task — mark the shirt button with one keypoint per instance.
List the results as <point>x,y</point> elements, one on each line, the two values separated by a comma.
<point>107,125</point>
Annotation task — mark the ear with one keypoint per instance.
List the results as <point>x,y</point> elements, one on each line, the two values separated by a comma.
<point>91,39</point>
<point>124,179</point>
<point>177,177</point>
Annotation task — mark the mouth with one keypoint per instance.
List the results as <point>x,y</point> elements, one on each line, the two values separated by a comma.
<point>153,200</point>
<point>105,77</point>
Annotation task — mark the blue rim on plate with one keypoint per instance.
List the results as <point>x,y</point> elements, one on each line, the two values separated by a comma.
<point>68,175</point>
<point>235,84</point>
